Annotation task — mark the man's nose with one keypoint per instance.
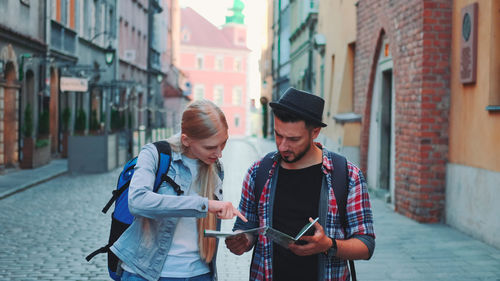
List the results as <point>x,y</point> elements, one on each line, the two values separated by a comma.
<point>283,145</point>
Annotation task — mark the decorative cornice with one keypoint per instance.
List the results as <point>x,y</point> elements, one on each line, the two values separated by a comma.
<point>311,19</point>
<point>20,39</point>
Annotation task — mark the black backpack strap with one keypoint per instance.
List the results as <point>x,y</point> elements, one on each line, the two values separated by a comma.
<point>164,160</point>
<point>101,250</point>
<point>340,186</point>
<point>262,174</point>
<point>176,187</point>
<point>116,194</point>
<point>341,190</point>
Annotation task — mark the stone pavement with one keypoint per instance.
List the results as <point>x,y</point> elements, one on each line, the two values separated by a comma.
<point>19,180</point>
<point>47,230</point>
<point>408,250</point>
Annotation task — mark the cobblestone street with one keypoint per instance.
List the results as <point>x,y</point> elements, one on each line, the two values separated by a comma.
<point>47,230</point>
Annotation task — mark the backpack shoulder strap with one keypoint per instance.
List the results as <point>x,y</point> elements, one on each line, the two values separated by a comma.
<point>164,159</point>
<point>262,174</point>
<point>340,189</point>
<point>340,185</point>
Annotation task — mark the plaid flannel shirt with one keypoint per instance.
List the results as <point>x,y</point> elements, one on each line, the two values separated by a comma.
<point>358,213</point>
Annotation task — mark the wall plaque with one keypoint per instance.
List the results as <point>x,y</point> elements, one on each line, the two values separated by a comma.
<point>468,44</point>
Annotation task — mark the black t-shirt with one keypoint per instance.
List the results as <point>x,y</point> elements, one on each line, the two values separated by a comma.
<point>296,199</point>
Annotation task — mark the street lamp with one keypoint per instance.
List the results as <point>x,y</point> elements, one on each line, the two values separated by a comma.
<point>109,55</point>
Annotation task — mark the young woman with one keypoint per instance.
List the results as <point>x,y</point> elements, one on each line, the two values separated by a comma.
<point>165,242</point>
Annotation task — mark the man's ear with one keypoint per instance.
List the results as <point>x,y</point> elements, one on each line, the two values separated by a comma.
<point>315,132</point>
<point>185,140</point>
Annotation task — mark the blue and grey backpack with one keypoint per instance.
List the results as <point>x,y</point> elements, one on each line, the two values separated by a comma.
<point>121,217</point>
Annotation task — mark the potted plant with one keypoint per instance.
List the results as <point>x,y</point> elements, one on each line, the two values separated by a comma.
<point>80,122</point>
<point>36,152</point>
<point>95,125</point>
<point>42,144</point>
<point>94,152</point>
<point>28,142</point>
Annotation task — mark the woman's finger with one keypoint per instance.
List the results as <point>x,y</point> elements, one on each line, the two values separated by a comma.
<point>241,216</point>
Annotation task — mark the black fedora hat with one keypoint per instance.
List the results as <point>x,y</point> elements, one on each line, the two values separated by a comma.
<point>302,104</point>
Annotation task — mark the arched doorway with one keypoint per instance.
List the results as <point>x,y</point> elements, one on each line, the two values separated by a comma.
<point>381,146</point>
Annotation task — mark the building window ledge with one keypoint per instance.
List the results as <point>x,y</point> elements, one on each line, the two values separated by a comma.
<point>493,108</point>
<point>348,117</point>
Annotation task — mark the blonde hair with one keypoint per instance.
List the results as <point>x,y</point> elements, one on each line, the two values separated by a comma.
<point>203,119</point>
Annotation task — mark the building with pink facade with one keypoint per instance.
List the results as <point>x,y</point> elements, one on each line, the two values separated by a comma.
<point>215,61</point>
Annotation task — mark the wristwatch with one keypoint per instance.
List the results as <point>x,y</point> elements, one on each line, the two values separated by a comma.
<point>330,253</point>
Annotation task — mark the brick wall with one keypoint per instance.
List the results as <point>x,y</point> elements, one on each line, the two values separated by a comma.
<point>419,34</point>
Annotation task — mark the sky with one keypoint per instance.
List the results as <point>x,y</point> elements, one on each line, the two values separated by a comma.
<point>216,11</point>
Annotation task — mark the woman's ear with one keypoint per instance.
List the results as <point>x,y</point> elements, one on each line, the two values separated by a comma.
<point>185,140</point>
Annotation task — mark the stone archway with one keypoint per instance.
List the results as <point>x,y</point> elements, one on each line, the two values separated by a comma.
<point>9,95</point>
<point>10,117</point>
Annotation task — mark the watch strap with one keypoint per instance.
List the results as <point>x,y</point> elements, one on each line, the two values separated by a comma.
<point>330,253</point>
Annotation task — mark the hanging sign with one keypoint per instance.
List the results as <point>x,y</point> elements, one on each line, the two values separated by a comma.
<point>73,84</point>
<point>468,44</point>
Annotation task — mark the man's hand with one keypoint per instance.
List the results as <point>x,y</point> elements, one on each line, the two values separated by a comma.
<point>240,244</point>
<point>224,210</point>
<point>317,243</point>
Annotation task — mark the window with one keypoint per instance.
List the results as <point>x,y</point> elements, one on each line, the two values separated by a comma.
<point>68,15</point>
<point>237,95</point>
<point>185,35</point>
<point>102,25</point>
<point>219,63</point>
<point>92,28</point>
<point>219,95</point>
<point>199,92</point>
<point>331,84</point>
<point>81,15</point>
<point>199,62</point>
<point>64,12</point>
<point>236,121</point>
<point>111,24</point>
<point>53,8</point>
<point>237,65</point>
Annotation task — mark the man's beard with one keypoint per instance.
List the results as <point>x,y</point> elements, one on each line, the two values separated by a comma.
<point>299,155</point>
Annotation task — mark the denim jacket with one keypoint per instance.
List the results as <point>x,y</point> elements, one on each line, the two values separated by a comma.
<point>144,246</point>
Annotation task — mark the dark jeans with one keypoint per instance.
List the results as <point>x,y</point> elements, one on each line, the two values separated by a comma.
<point>127,276</point>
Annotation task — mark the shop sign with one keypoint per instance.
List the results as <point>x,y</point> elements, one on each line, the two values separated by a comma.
<point>73,84</point>
<point>468,44</point>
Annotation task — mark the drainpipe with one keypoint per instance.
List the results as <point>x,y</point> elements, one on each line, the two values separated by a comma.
<point>277,94</point>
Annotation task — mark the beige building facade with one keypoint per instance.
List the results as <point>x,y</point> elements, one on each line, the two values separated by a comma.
<point>473,170</point>
<point>334,46</point>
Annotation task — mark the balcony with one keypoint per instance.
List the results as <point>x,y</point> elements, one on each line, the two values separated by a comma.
<point>62,38</point>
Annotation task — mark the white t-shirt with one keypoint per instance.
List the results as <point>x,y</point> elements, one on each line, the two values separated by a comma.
<point>183,258</point>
